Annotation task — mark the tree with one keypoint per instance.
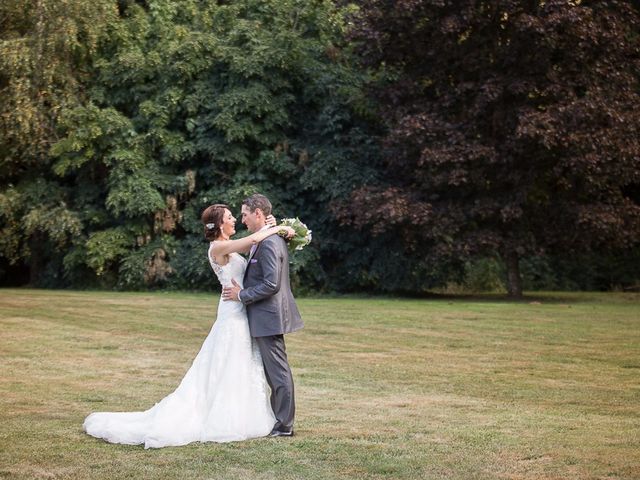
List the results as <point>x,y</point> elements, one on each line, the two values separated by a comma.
<point>513,127</point>
<point>45,46</point>
<point>191,103</point>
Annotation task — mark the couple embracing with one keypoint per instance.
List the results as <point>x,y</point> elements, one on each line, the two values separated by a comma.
<point>240,384</point>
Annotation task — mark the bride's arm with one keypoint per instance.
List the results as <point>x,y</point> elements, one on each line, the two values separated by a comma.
<point>270,222</point>
<point>225,247</point>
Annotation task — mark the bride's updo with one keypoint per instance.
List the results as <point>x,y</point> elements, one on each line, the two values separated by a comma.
<point>212,220</point>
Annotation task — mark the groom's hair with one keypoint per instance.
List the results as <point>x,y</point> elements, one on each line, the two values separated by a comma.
<point>258,201</point>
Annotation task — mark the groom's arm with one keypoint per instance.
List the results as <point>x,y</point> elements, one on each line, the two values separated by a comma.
<point>270,258</point>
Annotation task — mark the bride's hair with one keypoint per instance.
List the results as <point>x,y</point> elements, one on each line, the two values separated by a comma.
<point>212,219</point>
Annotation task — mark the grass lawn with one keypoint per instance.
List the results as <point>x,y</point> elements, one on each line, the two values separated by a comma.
<point>466,388</point>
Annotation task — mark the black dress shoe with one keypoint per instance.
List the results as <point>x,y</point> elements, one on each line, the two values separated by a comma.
<point>281,433</point>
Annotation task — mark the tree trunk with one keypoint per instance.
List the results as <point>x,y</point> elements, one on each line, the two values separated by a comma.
<point>35,259</point>
<point>514,282</point>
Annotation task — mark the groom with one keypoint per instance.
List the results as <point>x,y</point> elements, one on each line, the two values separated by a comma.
<point>271,309</point>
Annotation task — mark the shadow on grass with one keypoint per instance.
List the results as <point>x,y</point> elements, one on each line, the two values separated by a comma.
<point>530,297</point>
<point>548,297</point>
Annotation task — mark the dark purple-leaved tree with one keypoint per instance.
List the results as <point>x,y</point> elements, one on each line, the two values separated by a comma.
<point>513,127</point>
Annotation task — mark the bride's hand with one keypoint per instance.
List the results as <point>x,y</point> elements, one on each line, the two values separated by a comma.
<point>271,221</point>
<point>290,231</point>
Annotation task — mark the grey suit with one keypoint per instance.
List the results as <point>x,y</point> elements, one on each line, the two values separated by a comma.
<point>272,312</point>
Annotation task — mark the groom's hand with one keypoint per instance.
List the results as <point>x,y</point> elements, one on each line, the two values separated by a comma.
<point>231,293</point>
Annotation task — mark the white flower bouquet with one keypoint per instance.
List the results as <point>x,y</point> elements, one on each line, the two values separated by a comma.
<point>302,237</point>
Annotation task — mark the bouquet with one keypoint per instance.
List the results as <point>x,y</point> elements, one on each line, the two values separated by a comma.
<point>302,237</point>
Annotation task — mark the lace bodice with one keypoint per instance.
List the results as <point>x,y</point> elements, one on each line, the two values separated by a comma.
<point>234,269</point>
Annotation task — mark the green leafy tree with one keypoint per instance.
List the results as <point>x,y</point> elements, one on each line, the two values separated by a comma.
<point>45,51</point>
<point>198,102</point>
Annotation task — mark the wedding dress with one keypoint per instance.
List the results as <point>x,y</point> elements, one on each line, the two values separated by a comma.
<point>223,397</point>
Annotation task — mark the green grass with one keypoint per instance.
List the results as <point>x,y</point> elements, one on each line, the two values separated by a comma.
<point>467,388</point>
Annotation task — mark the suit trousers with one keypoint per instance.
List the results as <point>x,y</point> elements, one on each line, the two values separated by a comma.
<point>280,379</point>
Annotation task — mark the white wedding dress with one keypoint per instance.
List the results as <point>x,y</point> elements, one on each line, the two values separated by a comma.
<point>223,397</point>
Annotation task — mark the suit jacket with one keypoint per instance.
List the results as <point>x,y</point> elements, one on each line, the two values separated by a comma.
<point>266,290</point>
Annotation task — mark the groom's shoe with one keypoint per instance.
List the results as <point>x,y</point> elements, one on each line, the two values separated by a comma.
<point>281,433</point>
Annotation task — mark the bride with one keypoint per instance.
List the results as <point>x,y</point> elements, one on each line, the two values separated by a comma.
<point>224,395</point>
